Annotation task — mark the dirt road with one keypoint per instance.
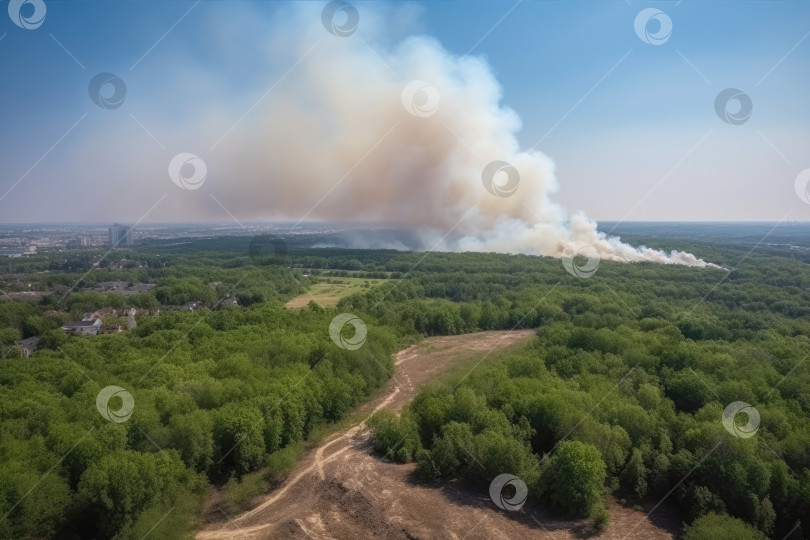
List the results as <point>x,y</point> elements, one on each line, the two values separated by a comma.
<point>344,491</point>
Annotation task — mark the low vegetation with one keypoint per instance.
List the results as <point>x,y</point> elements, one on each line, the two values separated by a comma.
<point>329,291</point>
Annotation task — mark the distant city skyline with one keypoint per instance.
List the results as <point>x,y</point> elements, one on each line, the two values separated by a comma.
<point>632,127</point>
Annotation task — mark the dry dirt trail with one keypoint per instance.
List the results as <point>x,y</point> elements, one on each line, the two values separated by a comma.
<point>343,491</point>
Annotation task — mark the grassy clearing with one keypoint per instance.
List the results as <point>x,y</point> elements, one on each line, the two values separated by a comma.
<point>466,363</point>
<point>328,292</point>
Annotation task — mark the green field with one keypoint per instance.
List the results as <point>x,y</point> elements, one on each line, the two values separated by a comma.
<point>328,293</point>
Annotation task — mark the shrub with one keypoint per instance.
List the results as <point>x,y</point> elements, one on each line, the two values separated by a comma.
<point>574,478</point>
<point>721,527</point>
<point>395,437</point>
<point>237,494</point>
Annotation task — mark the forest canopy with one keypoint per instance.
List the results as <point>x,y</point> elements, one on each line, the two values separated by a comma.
<point>622,392</point>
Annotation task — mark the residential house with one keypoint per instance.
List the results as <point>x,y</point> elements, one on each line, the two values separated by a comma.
<point>82,327</point>
<point>28,346</point>
<point>110,329</point>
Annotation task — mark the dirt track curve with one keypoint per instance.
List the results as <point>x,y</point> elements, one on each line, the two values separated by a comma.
<point>344,491</point>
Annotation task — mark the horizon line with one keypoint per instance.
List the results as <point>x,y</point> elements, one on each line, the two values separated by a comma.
<point>355,223</point>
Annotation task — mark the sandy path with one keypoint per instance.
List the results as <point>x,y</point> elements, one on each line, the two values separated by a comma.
<point>343,490</point>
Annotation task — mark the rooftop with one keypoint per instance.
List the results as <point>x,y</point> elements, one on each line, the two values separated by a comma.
<point>29,342</point>
<point>79,324</point>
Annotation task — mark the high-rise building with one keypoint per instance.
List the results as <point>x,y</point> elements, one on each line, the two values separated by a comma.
<point>121,235</point>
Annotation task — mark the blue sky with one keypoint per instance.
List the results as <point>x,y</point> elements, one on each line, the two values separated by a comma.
<point>631,127</point>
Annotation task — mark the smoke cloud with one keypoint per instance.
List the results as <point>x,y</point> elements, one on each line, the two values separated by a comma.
<point>349,135</point>
<point>366,128</point>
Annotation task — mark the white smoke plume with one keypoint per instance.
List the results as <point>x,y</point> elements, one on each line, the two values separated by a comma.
<point>336,139</point>
<point>341,141</point>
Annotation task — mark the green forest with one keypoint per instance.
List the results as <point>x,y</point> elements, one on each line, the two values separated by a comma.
<point>621,393</point>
